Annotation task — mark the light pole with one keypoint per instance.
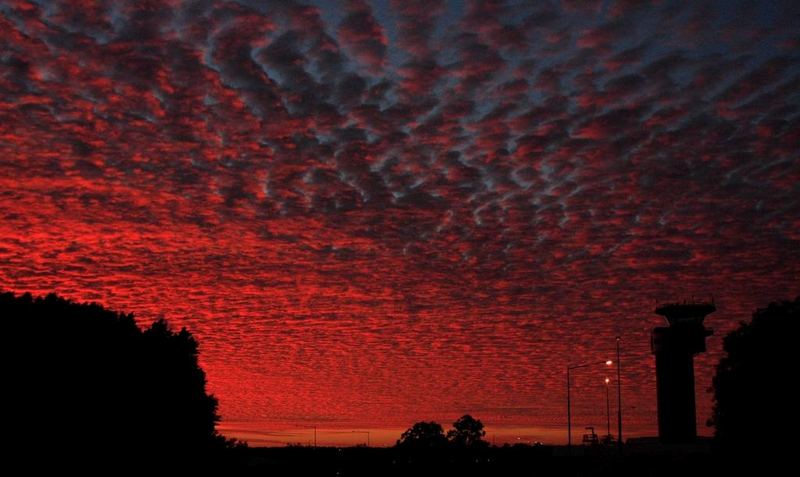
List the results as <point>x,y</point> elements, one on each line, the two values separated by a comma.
<point>608,413</point>
<point>315,433</point>
<point>619,401</point>
<point>569,401</point>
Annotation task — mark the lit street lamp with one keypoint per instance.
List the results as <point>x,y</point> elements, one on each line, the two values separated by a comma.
<point>569,401</point>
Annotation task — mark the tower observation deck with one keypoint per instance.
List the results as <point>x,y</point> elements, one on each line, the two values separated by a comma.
<point>674,347</point>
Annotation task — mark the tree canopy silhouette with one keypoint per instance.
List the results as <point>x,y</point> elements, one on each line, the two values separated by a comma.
<point>423,435</point>
<point>89,384</point>
<point>467,432</point>
<point>755,406</point>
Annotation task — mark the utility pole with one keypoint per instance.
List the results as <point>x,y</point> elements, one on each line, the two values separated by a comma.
<point>619,401</point>
<point>608,411</point>
<point>569,417</point>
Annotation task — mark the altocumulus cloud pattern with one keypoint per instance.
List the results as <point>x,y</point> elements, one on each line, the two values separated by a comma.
<point>373,213</point>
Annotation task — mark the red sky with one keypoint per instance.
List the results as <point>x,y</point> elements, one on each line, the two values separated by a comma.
<point>376,213</point>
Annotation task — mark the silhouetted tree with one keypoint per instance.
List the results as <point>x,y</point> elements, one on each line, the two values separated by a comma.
<point>89,385</point>
<point>423,435</point>
<point>467,432</point>
<point>755,405</point>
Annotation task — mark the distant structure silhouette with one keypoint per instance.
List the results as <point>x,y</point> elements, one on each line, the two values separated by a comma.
<point>674,347</point>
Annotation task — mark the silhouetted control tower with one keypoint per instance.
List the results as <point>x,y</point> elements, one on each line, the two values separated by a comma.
<point>675,346</point>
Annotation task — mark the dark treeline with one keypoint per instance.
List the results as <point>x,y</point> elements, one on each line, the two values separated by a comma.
<point>86,386</point>
<point>467,433</point>
<point>756,410</point>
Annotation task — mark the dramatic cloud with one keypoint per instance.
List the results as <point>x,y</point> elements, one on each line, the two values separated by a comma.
<point>363,36</point>
<point>381,212</point>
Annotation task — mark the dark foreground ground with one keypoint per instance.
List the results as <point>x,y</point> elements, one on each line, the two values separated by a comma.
<point>362,461</point>
<point>494,461</point>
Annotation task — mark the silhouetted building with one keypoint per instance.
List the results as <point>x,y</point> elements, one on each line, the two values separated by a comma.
<point>675,346</point>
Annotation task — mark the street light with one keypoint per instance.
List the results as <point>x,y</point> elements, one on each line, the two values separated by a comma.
<point>608,413</point>
<point>569,401</point>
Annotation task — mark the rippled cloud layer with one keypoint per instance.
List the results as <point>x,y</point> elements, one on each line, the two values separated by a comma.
<point>373,213</point>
